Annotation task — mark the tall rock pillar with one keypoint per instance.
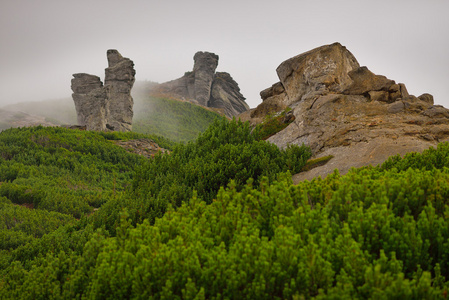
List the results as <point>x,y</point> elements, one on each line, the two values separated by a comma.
<point>204,70</point>
<point>90,100</point>
<point>119,81</point>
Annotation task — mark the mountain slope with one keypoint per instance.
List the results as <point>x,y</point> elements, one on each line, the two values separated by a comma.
<point>56,111</point>
<point>176,120</point>
<point>166,228</point>
<point>9,119</point>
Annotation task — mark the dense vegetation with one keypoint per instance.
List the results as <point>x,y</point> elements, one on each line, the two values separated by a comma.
<point>225,151</point>
<point>66,171</point>
<point>273,123</point>
<point>219,218</point>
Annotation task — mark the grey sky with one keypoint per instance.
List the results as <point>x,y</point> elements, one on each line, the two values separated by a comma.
<point>43,42</point>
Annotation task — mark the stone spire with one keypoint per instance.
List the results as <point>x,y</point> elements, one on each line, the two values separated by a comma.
<point>204,70</point>
<point>110,106</point>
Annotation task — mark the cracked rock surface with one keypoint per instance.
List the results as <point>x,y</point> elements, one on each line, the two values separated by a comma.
<point>203,86</point>
<point>345,110</point>
<point>107,107</point>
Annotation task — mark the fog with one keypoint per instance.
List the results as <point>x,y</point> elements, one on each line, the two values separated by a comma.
<point>44,42</point>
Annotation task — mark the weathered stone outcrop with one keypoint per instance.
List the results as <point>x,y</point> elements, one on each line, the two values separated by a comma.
<point>90,100</point>
<point>204,69</point>
<point>110,106</point>
<point>119,80</point>
<point>317,72</point>
<point>348,112</point>
<point>226,95</point>
<point>144,147</point>
<point>205,87</point>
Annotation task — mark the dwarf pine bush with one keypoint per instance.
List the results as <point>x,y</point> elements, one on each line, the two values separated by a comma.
<point>181,231</point>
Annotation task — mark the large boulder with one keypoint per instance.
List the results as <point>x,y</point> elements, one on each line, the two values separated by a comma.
<point>110,106</point>
<point>347,112</point>
<point>365,81</point>
<point>317,72</point>
<point>203,86</point>
<point>274,99</point>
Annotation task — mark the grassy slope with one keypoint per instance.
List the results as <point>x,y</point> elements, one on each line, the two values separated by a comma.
<point>176,120</point>
<point>62,170</point>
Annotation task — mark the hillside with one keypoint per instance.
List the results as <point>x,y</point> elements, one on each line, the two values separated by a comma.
<point>174,119</point>
<point>56,111</point>
<point>93,215</point>
<point>216,218</point>
<point>10,119</point>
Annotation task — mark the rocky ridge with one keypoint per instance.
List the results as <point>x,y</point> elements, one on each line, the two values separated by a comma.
<point>204,86</point>
<point>110,106</point>
<point>344,110</point>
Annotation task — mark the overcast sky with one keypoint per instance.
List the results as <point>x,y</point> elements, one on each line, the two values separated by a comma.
<point>43,42</point>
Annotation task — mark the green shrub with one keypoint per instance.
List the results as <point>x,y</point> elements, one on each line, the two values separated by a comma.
<point>63,170</point>
<point>276,242</point>
<point>225,151</point>
<point>272,124</point>
<point>177,233</point>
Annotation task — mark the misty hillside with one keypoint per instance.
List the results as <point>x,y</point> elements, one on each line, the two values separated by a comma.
<point>57,111</point>
<point>176,120</point>
<point>10,119</point>
<point>217,218</point>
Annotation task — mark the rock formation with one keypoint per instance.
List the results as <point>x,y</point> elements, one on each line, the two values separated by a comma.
<point>145,147</point>
<point>90,100</point>
<point>203,72</point>
<point>226,95</point>
<point>205,87</point>
<point>110,106</point>
<point>344,110</point>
